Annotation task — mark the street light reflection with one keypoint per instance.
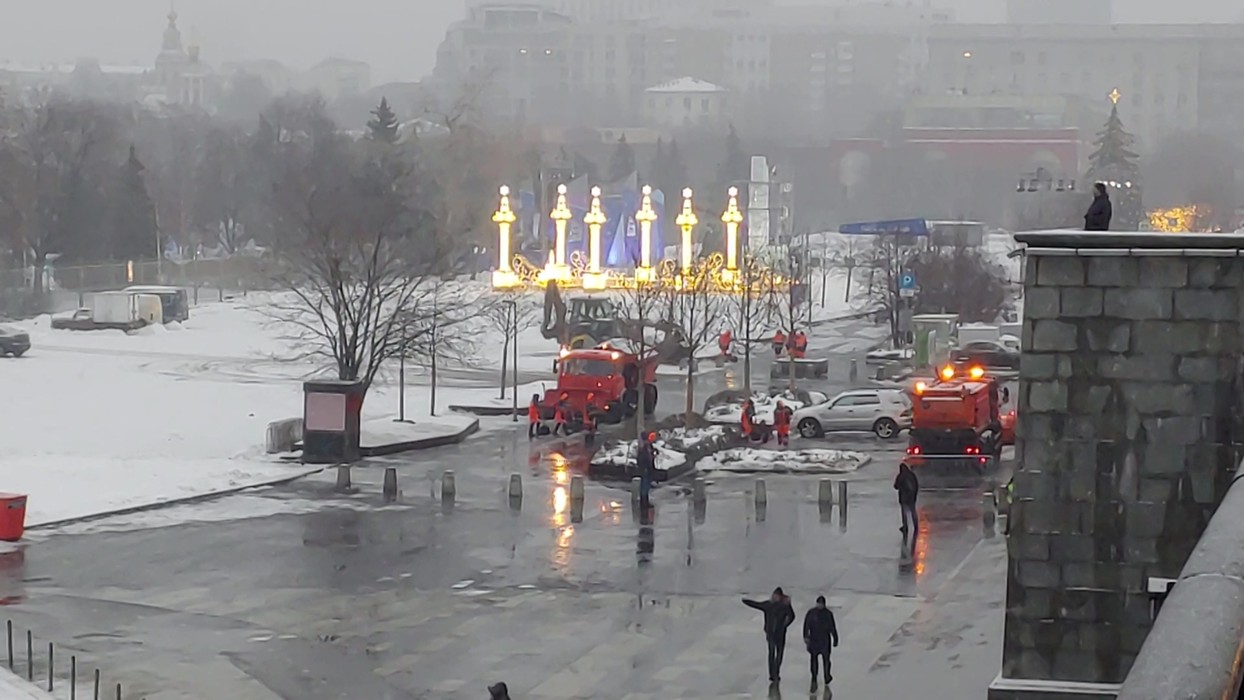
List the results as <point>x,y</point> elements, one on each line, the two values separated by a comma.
<point>560,500</point>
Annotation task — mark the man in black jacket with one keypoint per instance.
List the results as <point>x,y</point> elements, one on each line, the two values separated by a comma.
<point>908,487</point>
<point>1100,211</point>
<point>820,634</point>
<point>778,616</point>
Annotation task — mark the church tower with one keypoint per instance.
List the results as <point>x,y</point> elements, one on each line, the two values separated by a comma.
<point>173,61</point>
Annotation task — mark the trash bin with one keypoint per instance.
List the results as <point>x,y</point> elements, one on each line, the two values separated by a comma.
<point>12,516</point>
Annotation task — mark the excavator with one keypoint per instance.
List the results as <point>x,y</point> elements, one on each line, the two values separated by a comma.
<point>590,321</point>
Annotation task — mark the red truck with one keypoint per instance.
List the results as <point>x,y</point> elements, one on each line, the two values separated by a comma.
<point>605,383</point>
<point>958,420</point>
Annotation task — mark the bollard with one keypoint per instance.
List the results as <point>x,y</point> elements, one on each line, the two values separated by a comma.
<point>30,656</point>
<point>989,509</point>
<point>825,493</point>
<point>73,677</point>
<point>842,494</point>
<point>9,626</point>
<point>343,477</point>
<point>51,665</point>
<point>449,486</point>
<point>1000,498</point>
<point>762,494</point>
<point>636,488</point>
<point>390,484</point>
<point>576,489</point>
<point>97,684</point>
<point>855,371</point>
<point>699,492</point>
<point>516,490</point>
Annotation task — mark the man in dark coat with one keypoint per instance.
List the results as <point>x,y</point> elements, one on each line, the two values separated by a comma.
<point>908,487</point>
<point>820,634</point>
<point>1100,211</point>
<point>498,691</point>
<point>646,463</point>
<point>778,616</point>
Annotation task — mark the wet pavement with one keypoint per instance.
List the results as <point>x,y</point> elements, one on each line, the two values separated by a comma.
<point>302,593</point>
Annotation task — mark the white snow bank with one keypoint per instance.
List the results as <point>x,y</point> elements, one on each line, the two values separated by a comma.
<point>387,431</point>
<point>621,454</point>
<point>750,460</point>
<point>732,414</point>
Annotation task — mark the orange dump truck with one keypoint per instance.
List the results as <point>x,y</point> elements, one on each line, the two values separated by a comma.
<point>958,420</point>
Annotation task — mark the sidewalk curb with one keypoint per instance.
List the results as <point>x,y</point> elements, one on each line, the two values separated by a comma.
<point>176,501</point>
<point>422,443</point>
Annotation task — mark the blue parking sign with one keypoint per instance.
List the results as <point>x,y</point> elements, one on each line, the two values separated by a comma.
<point>907,281</point>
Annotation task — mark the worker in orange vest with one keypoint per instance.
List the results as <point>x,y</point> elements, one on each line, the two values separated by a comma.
<point>779,342</point>
<point>533,417</point>
<point>559,415</point>
<point>747,419</point>
<point>800,349</point>
<point>781,421</point>
<point>723,342</point>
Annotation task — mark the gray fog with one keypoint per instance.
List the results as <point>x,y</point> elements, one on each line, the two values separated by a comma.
<point>397,37</point>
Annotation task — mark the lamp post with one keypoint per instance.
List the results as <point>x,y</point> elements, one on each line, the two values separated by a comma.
<point>513,329</point>
<point>687,221</point>
<point>503,277</point>
<point>732,218</point>
<point>595,219</point>
<point>645,217</point>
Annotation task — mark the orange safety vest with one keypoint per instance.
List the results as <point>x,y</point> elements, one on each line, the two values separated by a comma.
<point>533,412</point>
<point>779,338</point>
<point>723,341</point>
<point>801,341</point>
<point>559,415</point>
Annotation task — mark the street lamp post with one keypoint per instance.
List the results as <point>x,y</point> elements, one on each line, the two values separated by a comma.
<point>558,268</point>
<point>687,221</point>
<point>504,218</point>
<point>513,329</point>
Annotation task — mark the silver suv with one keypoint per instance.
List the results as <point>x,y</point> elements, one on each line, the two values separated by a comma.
<point>883,412</point>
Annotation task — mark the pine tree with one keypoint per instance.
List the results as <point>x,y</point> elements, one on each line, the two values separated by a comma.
<point>737,166</point>
<point>383,125</point>
<point>1114,162</point>
<point>622,163</point>
<point>133,214</point>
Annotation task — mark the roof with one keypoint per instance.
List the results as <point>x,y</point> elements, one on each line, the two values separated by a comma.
<point>687,84</point>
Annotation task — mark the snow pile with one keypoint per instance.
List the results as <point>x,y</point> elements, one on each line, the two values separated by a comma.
<point>685,439</point>
<point>750,460</point>
<point>621,454</point>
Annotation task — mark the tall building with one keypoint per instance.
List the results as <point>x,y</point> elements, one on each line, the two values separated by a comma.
<point>180,76</point>
<point>1058,12</point>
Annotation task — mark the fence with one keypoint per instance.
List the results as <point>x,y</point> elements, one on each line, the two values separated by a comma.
<point>44,674</point>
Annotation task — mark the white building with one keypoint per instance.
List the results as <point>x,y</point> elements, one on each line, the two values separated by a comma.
<point>686,102</point>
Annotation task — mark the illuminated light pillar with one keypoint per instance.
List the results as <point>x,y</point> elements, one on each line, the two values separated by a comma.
<point>732,218</point>
<point>595,219</point>
<point>561,215</point>
<point>504,277</point>
<point>687,221</point>
<point>646,216</point>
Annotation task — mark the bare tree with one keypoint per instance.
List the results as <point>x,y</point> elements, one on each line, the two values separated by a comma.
<point>511,317</point>
<point>697,314</point>
<point>221,187</point>
<point>961,280</point>
<point>645,313</point>
<point>882,267</point>
<point>53,161</point>
<point>359,258</point>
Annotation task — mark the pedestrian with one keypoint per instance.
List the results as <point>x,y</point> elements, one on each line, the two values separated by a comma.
<point>1100,211</point>
<point>747,419</point>
<point>533,417</point>
<point>800,345</point>
<point>820,634</point>
<point>499,691</point>
<point>559,415</point>
<point>723,343</point>
<point>646,461</point>
<point>781,421</point>
<point>779,615</point>
<point>908,487</point>
<point>779,342</point>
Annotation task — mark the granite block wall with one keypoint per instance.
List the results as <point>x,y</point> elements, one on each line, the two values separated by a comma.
<point>1129,432</point>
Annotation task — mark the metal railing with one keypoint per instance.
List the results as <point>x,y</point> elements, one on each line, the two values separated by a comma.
<point>44,673</point>
<point>1196,647</point>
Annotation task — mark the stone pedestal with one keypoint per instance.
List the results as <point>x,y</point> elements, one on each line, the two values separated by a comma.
<point>1129,430</point>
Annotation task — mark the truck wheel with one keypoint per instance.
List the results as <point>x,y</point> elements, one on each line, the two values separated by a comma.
<point>650,399</point>
<point>885,429</point>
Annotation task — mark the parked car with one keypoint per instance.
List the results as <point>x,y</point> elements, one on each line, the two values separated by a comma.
<point>883,412</point>
<point>13,341</point>
<point>986,353</point>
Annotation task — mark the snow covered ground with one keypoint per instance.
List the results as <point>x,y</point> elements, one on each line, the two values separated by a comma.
<point>100,422</point>
<point>751,460</point>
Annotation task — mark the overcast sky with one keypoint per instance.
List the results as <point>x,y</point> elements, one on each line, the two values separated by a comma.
<point>398,37</point>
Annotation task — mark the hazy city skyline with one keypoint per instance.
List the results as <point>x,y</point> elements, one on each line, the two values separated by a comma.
<point>397,37</point>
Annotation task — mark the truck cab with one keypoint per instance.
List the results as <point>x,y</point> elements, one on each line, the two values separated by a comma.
<point>604,383</point>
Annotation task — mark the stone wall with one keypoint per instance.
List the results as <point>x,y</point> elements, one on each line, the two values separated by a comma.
<point>1129,432</point>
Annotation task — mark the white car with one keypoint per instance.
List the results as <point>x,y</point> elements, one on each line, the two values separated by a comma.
<point>883,412</point>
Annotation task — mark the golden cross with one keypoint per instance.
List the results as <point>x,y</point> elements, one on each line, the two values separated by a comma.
<point>1115,95</point>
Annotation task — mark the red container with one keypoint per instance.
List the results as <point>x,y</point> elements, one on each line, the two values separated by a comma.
<point>12,516</point>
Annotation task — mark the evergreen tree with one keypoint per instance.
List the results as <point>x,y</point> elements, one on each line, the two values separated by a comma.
<point>134,234</point>
<point>737,166</point>
<point>622,163</point>
<point>1115,163</point>
<point>383,124</point>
